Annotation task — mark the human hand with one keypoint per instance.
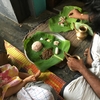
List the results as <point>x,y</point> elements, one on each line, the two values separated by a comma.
<point>75,64</point>
<point>32,78</point>
<point>74,14</point>
<point>38,74</point>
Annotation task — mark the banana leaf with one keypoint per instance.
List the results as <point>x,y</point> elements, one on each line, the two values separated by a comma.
<point>53,22</point>
<point>35,58</point>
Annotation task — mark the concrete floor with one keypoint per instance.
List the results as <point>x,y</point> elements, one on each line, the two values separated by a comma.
<point>15,33</point>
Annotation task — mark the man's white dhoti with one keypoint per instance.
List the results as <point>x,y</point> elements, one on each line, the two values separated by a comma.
<point>79,89</point>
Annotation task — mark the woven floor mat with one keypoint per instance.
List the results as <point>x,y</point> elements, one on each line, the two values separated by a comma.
<point>19,59</point>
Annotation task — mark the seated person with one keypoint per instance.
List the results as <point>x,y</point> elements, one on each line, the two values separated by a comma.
<point>12,81</point>
<point>86,86</point>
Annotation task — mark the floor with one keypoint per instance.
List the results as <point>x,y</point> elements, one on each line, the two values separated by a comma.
<point>15,33</point>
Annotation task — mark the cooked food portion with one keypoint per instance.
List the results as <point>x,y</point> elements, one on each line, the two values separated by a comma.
<point>37,46</point>
<point>62,21</point>
<point>56,50</point>
<point>47,53</point>
<point>45,50</point>
<point>56,43</point>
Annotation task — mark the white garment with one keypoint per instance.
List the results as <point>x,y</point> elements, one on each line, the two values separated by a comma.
<point>95,50</point>
<point>79,89</point>
<point>34,93</point>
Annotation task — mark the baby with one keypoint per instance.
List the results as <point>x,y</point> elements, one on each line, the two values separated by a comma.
<point>14,82</point>
<point>11,80</point>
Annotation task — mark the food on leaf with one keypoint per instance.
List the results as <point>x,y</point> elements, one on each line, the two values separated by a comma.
<point>56,43</point>
<point>41,38</point>
<point>42,61</point>
<point>56,50</point>
<point>47,53</point>
<point>62,21</point>
<point>48,40</point>
<point>37,46</point>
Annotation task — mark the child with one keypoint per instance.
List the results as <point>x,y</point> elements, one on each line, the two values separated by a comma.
<point>13,81</point>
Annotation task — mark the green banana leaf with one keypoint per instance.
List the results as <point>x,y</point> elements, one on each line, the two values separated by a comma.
<point>53,22</point>
<point>35,58</point>
<point>78,24</point>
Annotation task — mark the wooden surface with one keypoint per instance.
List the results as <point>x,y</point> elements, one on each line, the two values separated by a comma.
<point>77,48</point>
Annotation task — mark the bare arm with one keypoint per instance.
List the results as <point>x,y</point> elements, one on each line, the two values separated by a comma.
<point>15,89</point>
<point>78,15</point>
<point>94,81</point>
<point>23,75</point>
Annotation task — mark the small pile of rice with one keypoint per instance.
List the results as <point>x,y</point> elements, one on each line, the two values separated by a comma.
<point>37,46</point>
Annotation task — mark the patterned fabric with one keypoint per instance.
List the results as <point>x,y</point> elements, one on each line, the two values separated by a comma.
<point>34,93</point>
<point>8,78</point>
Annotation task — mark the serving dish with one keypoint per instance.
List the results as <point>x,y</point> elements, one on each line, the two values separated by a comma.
<point>35,57</point>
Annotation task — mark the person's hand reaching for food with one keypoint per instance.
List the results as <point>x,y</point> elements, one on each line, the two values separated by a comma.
<point>74,14</point>
<point>78,15</point>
